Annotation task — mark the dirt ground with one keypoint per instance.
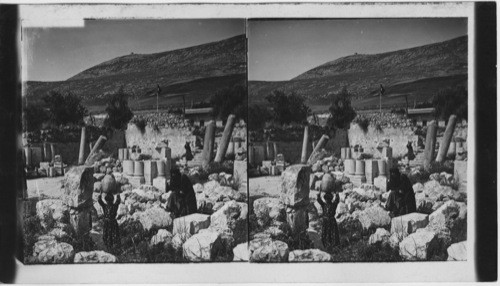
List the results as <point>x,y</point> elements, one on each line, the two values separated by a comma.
<point>46,186</point>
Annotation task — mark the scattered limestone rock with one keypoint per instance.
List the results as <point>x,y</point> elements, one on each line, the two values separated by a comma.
<point>233,216</point>
<point>78,186</point>
<point>420,245</point>
<point>191,224</point>
<point>51,211</point>
<point>154,218</point>
<point>457,251</point>
<point>240,252</point>
<point>163,236</point>
<point>449,221</point>
<point>97,256</point>
<point>315,238</point>
<point>409,223</point>
<point>202,246</point>
<point>269,251</point>
<point>50,251</point>
<point>269,210</point>
<point>198,188</point>
<point>179,239</point>
<point>309,255</point>
<point>374,217</point>
<point>381,235</point>
<point>295,185</point>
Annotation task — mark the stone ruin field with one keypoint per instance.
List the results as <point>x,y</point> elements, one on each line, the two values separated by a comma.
<point>62,220</point>
<point>285,218</point>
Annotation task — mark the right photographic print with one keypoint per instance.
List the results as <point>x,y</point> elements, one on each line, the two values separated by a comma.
<point>358,140</point>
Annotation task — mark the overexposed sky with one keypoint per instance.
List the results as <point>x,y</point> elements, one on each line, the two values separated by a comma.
<point>55,54</point>
<point>283,49</point>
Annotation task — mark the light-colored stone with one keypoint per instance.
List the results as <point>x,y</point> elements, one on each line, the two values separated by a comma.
<point>315,238</point>
<point>51,251</point>
<point>420,245</point>
<point>270,251</point>
<point>381,235</point>
<point>295,185</point>
<point>81,221</point>
<point>191,224</point>
<point>374,217</point>
<point>381,183</point>
<point>449,221</point>
<point>241,252</point>
<point>309,255</point>
<point>160,183</point>
<point>269,210</point>
<point>198,188</point>
<point>97,256</point>
<point>409,223</point>
<point>52,211</point>
<point>457,251</point>
<point>154,218</point>
<point>202,247</point>
<point>78,186</point>
<point>233,216</point>
<point>163,236</point>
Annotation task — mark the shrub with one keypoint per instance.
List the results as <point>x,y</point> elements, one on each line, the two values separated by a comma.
<point>119,113</point>
<point>451,101</point>
<point>288,108</point>
<point>140,123</point>
<point>258,115</point>
<point>65,109</point>
<point>34,117</point>
<point>230,101</point>
<point>363,124</point>
<point>341,111</point>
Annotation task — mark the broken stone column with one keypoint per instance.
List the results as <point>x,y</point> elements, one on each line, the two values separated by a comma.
<point>240,174</point>
<point>208,144</point>
<point>322,142</point>
<point>161,180</point>
<point>371,170</point>
<point>275,148</point>
<point>150,171</point>
<point>295,195</point>
<point>270,151</point>
<point>430,144</point>
<point>230,148</point>
<point>382,170</point>
<point>349,167</point>
<point>226,137</point>
<point>259,155</point>
<point>303,157</point>
<point>448,134</point>
<point>36,155</point>
<point>387,152</point>
<point>251,155</point>
<point>128,167</point>
<point>53,151</point>
<point>47,155</point>
<point>98,145</point>
<point>166,156</point>
<point>360,168</point>
<point>77,194</point>
<point>138,168</point>
<point>83,141</point>
<point>452,149</point>
<point>27,155</point>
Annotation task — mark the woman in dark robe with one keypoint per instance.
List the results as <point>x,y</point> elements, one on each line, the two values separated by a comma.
<point>401,198</point>
<point>111,234</point>
<point>189,154</point>
<point>183,201</point>
<point>329,229</point>
<point>410,155</point>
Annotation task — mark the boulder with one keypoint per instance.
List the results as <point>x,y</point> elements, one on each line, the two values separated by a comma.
<point>81,220</point>
<point>327,183</point>
<point>97,256</point>
<point>457,251</point>
<point>409,223</point>
<point>52,211</point>
<point>179,239</point>
<point>154,218</point>
<point>203,246</point>
<point>233,216</point>
<point>269,251</point>
<point>309,255</point>
<point>295,185</point>
<point>78,186</point>
<point>269,210</point>
<point>163,236</point>
<point>191,224</point>
<point>198,188</point>
<point>420,245</point>
<point>51,251</point>
<point>99,176</point>
<point>374,217</point>
<point>97,187</point>
<point>449,221</point>
<point>424,204</point>
<point>418,188</point>
<point>240,252</point>
<point>218,193</point>
<point>315,238</point>
<point>381,236</point>
<point>381,183</point>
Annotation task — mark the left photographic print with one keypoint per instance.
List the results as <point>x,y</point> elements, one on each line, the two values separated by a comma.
<point>134,142</point>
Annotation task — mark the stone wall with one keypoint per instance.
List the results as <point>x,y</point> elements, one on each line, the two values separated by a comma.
<point>397,137</point>
<point>147,141</point>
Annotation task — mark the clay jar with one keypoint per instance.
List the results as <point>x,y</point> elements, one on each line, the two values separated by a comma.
<point>108,184</point>
<point>327,183</point>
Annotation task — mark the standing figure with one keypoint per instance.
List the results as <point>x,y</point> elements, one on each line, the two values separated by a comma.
<point>189,154</point>
<point>183,201</point>
<point>111,234</point>
<point>401,198</point>
<point>329,229</point>
<point>410,155</point>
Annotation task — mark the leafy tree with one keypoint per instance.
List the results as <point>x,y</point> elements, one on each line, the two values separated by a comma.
<point>288,108</point>
<point>341,111</point>
<point>451,101</point>
<point>119,113</point>
<point>230,101</point>
<point>258,115</point>
<point>64,109</point>
<point>34,117</point>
